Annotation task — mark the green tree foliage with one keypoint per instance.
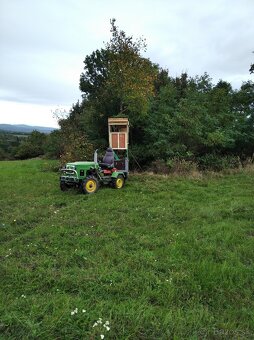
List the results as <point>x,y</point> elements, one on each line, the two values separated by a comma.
<point>3,154</point>
<point>9,143</point>
<point>130,76</point>
<point>74,144</point>
<point>191,118</point>
<point>251,70</point>
<point>116,80</point>
<point>32,146</point>
<point>22,146</point>
<point>53,146</point>
<point>243,107</point>
<point>119,75</point>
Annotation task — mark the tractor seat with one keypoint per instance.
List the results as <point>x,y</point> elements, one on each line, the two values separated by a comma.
<point>108,159</point>
<point>106,166</point>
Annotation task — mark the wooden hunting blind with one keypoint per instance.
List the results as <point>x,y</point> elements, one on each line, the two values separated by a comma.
<point>118,129</point>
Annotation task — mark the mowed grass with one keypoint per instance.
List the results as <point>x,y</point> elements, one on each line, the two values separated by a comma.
<point>163,258</point>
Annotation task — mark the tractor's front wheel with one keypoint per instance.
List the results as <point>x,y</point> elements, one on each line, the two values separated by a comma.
<point>118,182</point>
<point>63,186</point>
<point>90,185</point>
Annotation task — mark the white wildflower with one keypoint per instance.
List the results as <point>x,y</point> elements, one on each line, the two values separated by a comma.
<point>83,310</point>
<point>102,336</point>
<point>95,324</point>
<point>107,322</point>
<point>75,311</point>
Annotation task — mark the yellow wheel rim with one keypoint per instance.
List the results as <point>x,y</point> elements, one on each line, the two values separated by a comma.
<point>119,183</point>
<point>90,185</point>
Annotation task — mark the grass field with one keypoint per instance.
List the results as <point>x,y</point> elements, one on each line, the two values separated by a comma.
<point>164,258</point>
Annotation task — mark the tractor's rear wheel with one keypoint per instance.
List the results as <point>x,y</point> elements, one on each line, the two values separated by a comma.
<point>90,185</point>
<point>118,182</point>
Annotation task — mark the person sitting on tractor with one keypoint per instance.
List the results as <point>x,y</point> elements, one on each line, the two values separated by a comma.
<point>108,159</point>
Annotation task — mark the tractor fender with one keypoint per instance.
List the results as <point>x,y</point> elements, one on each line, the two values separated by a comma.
<point>116,173</point>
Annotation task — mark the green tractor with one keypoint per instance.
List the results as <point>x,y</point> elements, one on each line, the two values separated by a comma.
<point>113,170</point>
<point>88,176</point>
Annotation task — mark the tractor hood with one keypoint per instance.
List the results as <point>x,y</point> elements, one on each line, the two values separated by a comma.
<point>81,165</point>
<point>78,164</point>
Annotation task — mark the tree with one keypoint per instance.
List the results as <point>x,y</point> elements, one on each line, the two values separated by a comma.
<point>189,118</point>
<point>117,79</point>
<point>92,80</point>
<point>130,76</point>
<point>159,127</point>
<point>75,144</point>
<point>243,107</point>
<point>53,147</point>
<point>251,70</point>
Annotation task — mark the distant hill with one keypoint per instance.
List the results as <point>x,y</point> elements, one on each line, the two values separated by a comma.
<point>25,128</point>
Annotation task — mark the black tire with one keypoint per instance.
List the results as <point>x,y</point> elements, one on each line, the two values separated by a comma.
<point>90,185</point>
<point>118,182</point>
<point>63,186</point>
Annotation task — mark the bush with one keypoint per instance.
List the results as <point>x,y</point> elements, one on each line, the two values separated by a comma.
<point>216,162</point>
<point>210,162</point>
<point>51,166</point>
<point>181,166</point>
<point>173,165</point>
<point>159,167</point>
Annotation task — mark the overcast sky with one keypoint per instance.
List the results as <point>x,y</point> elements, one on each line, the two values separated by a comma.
<point>43,44</point>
